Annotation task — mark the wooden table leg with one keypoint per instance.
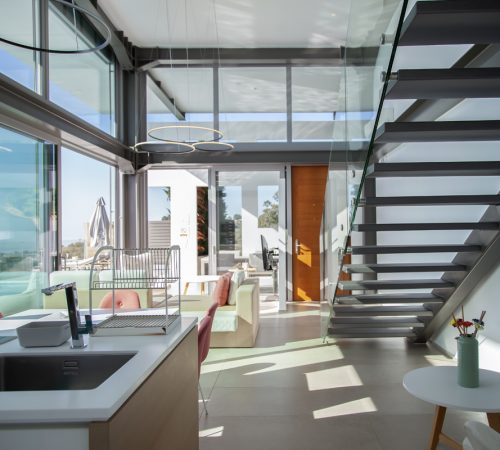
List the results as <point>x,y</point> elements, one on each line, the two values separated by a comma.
<point>202,288</point>
<point>437,427</point>
<point>494,421</point>
<point>186,287</point>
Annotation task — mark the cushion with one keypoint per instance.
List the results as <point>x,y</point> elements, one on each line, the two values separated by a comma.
<point>236,280</point>
<point>221,291</point>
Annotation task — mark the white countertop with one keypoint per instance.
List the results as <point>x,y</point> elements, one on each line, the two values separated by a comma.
<point>96,404</point>
<point>438,385</point>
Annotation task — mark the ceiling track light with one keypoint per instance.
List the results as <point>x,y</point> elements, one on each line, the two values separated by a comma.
<point>82,11</point>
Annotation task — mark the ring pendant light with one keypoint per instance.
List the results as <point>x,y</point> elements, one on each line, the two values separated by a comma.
<point>153,133</point>
<point>172,148</point>
<point>75,8</point>
<point>213,146</point>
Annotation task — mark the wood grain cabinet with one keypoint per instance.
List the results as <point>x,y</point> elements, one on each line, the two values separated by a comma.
<point>162,413</point>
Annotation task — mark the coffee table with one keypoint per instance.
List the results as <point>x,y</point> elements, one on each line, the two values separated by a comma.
<point>201,280</point>
<point>438,385</point>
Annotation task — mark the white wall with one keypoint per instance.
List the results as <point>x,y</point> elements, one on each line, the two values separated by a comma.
<point>183,208</point>
<point>484,297</point>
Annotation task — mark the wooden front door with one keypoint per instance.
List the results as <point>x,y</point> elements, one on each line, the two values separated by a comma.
<point>308,193</point>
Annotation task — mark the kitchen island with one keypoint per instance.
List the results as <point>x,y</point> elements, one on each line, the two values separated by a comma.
<point>151,402</point>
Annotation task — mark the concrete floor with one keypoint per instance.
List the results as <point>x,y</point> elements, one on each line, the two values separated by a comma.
<point>292,391</point>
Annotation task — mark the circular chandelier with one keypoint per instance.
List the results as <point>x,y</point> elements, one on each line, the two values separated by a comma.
<point>82,11</point>
<point>213,146</point>
<point>172,148</point>
<point>189,130</point>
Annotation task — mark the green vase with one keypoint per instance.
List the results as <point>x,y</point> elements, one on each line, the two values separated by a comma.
<point>468,362</point>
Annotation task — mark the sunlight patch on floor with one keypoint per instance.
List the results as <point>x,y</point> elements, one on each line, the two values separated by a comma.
<point>276,360</point>
<point>212,432</point>
<point>223,354</point>
<point>440,360</point>
<point>336,377</point>
<point>363,405</point>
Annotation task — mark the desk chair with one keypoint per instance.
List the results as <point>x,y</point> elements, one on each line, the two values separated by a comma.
<point>124,299</point>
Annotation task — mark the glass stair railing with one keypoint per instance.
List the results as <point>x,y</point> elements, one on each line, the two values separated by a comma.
<point>412,228</point>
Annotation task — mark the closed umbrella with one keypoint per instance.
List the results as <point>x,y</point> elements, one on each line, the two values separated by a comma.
<point>99,225</point>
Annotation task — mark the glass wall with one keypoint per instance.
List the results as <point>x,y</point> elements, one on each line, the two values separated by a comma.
<point>252,104</point>
<point>86,184</point>
<point>247,208</point>
<point>82,84</point>
<point>190,91</point>
<point>28,219</point>
<point>16,24</point>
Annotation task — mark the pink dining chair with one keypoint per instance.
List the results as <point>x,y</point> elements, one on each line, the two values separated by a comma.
<point>124,299</point>
<point>204,329</point>
<point>212,309</point>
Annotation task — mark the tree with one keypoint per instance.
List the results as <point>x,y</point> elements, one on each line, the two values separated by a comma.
<point>269,216</point>
<point>166,190</point>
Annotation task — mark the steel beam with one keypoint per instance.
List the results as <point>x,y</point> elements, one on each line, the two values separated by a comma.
<point>158,90</point>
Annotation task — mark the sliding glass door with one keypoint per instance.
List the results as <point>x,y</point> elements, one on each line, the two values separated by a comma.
<point>28,219</point>
<point>250,218</point>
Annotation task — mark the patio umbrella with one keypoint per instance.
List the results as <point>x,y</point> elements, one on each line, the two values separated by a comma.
<point>99,225</point>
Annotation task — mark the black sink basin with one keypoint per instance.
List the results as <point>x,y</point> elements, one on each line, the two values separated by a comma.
<point>58,372</point>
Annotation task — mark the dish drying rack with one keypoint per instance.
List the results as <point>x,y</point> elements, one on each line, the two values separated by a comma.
<point>141,269</point>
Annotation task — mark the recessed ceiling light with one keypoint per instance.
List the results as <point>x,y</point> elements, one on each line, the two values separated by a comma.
<point>333,14</point>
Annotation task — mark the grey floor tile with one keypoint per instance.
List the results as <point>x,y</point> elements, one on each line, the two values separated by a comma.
<point>294,391</point>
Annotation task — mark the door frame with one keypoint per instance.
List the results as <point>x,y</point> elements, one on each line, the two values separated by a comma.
<point>289,247</point>
<point>283,234</point>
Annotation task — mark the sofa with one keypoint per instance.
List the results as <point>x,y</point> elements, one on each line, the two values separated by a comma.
<point>82,278</point>
<point>233,325</point>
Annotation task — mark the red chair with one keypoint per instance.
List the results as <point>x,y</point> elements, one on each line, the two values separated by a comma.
<point>212,309</point>
<point>204,329</point>
<point>124,299</point>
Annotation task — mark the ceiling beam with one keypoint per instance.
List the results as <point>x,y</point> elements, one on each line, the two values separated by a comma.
<point>119,43</point>
<point>145,161</point>
<point>162,95</point>
<point>150,57</point>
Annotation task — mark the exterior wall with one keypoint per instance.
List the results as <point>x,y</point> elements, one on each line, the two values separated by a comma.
<point>183,209</point>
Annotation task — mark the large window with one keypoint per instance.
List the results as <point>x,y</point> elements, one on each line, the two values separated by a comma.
<point>27,219</point>
<point>247,208</point>
<point>83,84</point>
<point>86,184</point>
<point>253,104</point>
<point>16,24</point>
<point>180,96</point>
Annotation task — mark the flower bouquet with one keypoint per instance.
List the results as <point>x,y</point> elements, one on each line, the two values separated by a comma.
<point>463,325</point>
<point>468,351</point>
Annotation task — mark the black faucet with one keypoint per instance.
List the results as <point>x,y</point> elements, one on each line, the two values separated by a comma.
<point>79,332</point>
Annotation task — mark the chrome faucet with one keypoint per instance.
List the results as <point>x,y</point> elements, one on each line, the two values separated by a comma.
<point>79,332</point>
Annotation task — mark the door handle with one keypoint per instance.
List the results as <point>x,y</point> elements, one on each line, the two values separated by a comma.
<point>297,246</point>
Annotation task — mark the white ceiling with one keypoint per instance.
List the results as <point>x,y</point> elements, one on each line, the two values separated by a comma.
<point>231,23</point>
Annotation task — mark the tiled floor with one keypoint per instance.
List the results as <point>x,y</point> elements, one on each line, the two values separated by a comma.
<point>292,391</point>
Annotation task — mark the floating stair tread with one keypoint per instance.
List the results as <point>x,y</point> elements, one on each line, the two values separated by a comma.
<point>370,333</point>
<point>430,169</point>
<point>394,284</point>
<point>376,322</point>
<point>445,83</point>
<point>368,227</point>
<point>452,22</point>
<point>431,200</point>
<point>431,248</point>
<point>382,310</point>
<point>403,267</point>
<point>390,298</point>
<point>439,131</point>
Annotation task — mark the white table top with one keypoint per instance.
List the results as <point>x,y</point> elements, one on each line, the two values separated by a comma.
<point>439,386</point>
<point>97,404</point>
<point>202,278</point>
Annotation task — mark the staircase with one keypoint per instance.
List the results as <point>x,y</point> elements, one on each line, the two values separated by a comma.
<point>410,277</point>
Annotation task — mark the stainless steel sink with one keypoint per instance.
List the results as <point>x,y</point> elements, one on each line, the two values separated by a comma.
<point>58,372</point>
